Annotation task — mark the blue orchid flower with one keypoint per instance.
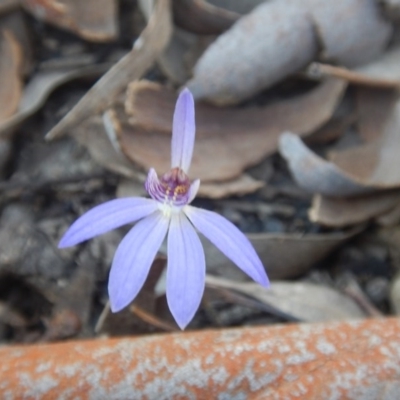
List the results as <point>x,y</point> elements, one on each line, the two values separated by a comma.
<point>167,213</point>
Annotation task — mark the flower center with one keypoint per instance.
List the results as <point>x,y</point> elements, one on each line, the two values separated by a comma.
<point>175,185</point>
<point>171,191</point>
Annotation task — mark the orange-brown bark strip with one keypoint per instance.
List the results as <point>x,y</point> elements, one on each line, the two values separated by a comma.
<point>347,360</point>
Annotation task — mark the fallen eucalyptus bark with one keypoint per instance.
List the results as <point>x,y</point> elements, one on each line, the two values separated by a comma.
<point>283,361</point>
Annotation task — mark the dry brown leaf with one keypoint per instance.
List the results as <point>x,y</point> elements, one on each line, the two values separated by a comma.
<point>16,23</point>
<point>305,301</point>
<point>172,61</point>
<point>342,119</point>
<point>315,174</point>
<point>351,32</point>
<point>358,170</point>
<point>332,130</point>
<point>239,65</point>
<point>239,186</point>
<point>94,20</point>
<point>10,76</point>
<point>335,212</point>
<point>39,88</point>
<point>198,16</point>
<point>227,140</point>
<point>93,135</point>
<point>284,255</point>
<point>374,108</point>
<point>182,51</point>
<point>146,49</point>
<point>181,54</point>
<point>11,70</point>
<point>375,164</point>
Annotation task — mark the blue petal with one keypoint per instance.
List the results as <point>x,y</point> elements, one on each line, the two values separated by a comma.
<point>133,259</point>
<point>224,235</point>
<point>106,217</point>
<point>183,132</point>
<point>186,270</point>
<point>194,188</point>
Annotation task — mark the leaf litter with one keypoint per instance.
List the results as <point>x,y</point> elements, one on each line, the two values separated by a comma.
<point>302,300</point>
<point>150,107</point>
<point>94,20</point>
<point>10,74</point>
<point>132,66</point>
<point>306,31</point>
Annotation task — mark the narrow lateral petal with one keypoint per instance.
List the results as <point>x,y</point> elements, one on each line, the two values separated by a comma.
<point>133,259</point>
<point>186,270</point>
<point>233,243</point>
<point>194,188</point>
<point>183,132</point>
<point>106,217</point>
